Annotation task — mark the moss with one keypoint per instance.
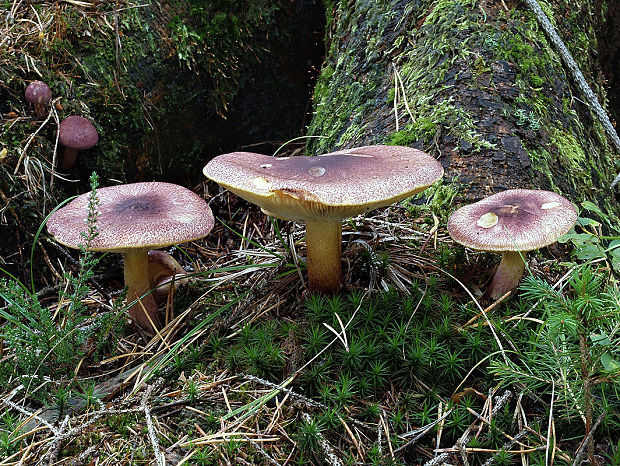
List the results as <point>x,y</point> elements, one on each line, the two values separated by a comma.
<point>438,198</point>
<point>530,53</point>
<point>471,77</point>
<point>570,167</point>
<point>350,85</point>
<point>219,38</point>
<point>356,98</point>
<point>536,80</point>
<point>402,138</point>
<point>572,156</point>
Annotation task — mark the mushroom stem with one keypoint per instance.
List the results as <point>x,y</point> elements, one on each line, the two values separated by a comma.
<point>39,109</point>
<point>138,284</point>
<point>324,246</point>
<point>69,156</point>
<point>507,275</point>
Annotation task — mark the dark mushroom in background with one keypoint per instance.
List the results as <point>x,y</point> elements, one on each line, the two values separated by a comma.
<point>511,223</point>
<point>38,94</point>
<point>134,218</point>
<point>321,191</point>
<point>76,133</point>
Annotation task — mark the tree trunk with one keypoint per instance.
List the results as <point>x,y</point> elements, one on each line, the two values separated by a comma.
<point>475,83</point>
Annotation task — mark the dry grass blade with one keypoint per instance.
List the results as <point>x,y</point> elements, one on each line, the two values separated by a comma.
<point>500,401</point>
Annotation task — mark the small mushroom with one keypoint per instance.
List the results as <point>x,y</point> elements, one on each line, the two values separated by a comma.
<point>321,191</point>
<point>164,273</point>
<point>38,94</point>
<point>512,222</point>
<point>75,133</point>
<point>134,218</point>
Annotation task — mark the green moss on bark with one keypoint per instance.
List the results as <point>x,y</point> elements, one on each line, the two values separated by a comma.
<point>483,90</point>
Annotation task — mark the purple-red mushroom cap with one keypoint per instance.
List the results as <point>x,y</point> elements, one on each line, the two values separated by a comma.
<point>38,92</point>
<point>135,216</point>
<point>513,220</point>
<point>76,132</point>
<point>337,185</point>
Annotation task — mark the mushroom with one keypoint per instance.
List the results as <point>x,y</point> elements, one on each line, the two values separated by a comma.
<point>512,222</point>
<point>164,273</point>
<point>38,93</point>
<point>134,218</point>
<point>321,191</point>
<point>76,133</point>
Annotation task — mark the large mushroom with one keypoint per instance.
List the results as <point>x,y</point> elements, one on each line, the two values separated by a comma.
<point>321,191</point>
<point>38,94</point>
<point>511,223</point>
<point>134,218</point>
<point>75,133</point>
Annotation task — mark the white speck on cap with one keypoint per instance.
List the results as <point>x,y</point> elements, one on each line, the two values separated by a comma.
<point>488,220</point>
<point>316,171</point>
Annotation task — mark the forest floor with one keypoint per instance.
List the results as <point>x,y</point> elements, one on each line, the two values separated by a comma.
<point>409,365</point>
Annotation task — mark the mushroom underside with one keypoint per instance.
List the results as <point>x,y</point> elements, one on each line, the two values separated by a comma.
<point>165,274</point>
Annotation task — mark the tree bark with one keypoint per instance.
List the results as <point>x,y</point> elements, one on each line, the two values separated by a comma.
<point>477,84</point>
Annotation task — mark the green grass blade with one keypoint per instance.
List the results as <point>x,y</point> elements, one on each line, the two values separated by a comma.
<point>36,239</point>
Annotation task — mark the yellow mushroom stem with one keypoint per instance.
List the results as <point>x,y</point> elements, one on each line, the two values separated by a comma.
<point>139,289</point>
<point>324,246</point>
<point>508,274</point>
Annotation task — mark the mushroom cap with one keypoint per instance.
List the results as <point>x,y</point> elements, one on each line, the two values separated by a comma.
<point>513,220</point>
<point>78,133</point>
<point>133,216</point>
<point>38,92</point>
<point>331,186</point>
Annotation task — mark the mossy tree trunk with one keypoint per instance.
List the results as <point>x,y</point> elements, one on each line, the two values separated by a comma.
<point>475,83</point>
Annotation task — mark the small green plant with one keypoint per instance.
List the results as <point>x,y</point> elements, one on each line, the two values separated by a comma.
<point>231,447</point>
<point>192,391</point>
<point>588,239</point>
<point>575,352</point>
<point>90,396</point>
<point>614,456</point>
<point>8,432</point>
<point>44,343</point>
<point>204,457</point>
<point>61,396</point>
<point>309,435</point>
